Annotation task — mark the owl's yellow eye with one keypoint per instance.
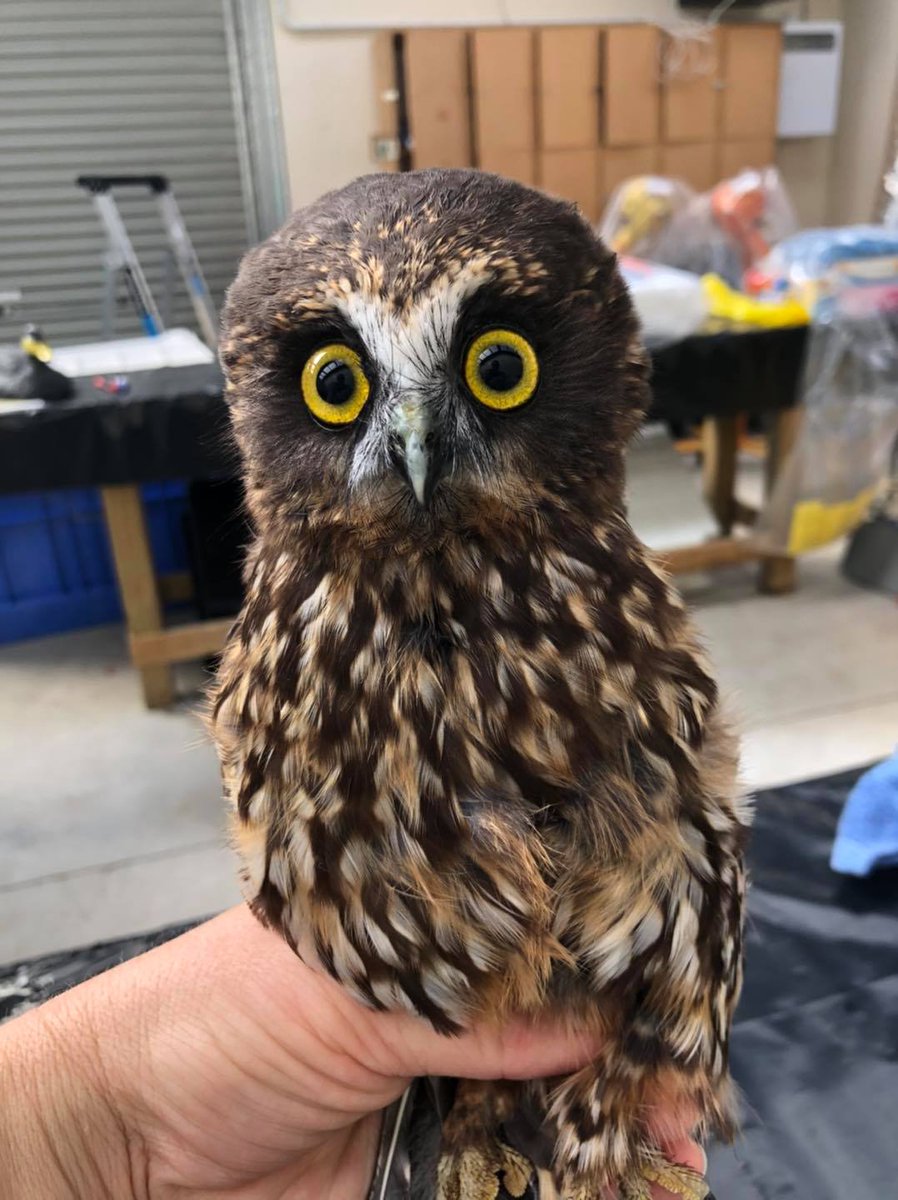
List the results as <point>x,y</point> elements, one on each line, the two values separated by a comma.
<point>334,385</point>
<point>501,369</point>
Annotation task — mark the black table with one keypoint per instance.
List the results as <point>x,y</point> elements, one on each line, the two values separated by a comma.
<point>173,422</point>
<point>173,425</point>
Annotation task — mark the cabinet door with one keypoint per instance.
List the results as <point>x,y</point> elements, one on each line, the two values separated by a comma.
<point>436,74</point>
<point>619,165</point>
<point>568,88</point>
<point>384,144</point>
<point>504,102</point>
<point>573,175</point>
<point>691,69</point>
<point>695,163</point>
<point>739,156</point>
<point>751,71</point>
<point>631,88</point>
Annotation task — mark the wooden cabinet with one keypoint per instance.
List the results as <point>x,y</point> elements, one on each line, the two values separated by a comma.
<point>502,71</point>
<point>690,91</point>
<point>618,165</point>
<point>438,95</point>
<point>567,87</point>
<point>749,97</point>
<point>574,175</point>
<point>631,85</point>
<point>579,109</point>
<point>693,162</point>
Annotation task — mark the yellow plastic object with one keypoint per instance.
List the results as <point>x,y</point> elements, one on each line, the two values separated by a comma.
<point>725,302</point>
<point>36,348</point>
<point>641,212</point>
<point>816,523</point>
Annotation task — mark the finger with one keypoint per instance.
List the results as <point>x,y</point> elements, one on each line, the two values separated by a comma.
<point>688,1154</point>
<point>519,1050</point>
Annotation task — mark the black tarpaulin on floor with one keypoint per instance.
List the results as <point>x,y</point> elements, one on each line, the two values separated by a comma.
<point>815,1047</point>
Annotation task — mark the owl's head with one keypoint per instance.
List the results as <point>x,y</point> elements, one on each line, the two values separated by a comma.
<point>432,351</point>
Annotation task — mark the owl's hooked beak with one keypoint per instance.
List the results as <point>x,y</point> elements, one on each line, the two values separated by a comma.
<point>413,447</point>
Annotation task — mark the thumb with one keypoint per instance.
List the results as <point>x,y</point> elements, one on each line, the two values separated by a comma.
<point>518,1049</point>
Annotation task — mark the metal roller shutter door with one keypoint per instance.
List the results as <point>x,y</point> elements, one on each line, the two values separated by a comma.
<point>114,86</point>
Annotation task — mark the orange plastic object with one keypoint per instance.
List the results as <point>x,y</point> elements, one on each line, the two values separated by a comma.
<point>739,211</point>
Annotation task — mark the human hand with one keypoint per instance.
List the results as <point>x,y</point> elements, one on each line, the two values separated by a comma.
<point>218,1064</point>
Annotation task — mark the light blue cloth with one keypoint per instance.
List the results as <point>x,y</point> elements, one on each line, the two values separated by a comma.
<point>867,834</point>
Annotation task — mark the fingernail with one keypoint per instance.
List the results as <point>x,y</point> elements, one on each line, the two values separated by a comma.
<point>704,1166</point>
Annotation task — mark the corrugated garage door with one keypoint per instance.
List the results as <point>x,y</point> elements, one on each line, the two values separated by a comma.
<point>112,86</point>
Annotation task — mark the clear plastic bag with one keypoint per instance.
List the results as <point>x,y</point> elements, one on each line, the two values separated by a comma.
<point>670,304</point>
<point>724,231</point>
<point>842,456</point>
<point>642,215</point>
<point>754,212</point>
<point>816,266</point>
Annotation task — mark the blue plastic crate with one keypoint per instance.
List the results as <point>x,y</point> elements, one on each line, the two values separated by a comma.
<point>56,569</point>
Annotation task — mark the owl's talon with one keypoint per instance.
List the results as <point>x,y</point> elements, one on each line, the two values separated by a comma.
<point>673,1177</point>
<point>635,1187</point>
<point>476,1170</point>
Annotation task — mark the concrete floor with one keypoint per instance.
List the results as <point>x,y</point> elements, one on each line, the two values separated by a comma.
<point>110,816</point>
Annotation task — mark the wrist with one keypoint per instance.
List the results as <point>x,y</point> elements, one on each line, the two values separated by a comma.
<point>60,1133</point>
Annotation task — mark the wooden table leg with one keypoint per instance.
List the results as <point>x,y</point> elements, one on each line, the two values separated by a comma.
<point>720,444</point>
<point>127,527</point>
<point>778,573</point>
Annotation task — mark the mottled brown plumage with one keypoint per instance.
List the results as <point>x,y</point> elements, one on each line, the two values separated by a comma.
<point>475,757</point>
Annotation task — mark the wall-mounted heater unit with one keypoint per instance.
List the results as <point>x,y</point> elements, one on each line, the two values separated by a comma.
<point>809,79</point>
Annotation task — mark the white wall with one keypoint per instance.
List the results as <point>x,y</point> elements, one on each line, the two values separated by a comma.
<point>328,108</point>
<point>806,164</point>
<point>390,14</point>
<point>868,107</point>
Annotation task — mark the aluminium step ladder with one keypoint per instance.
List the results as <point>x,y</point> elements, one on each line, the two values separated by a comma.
<point>122,260</point>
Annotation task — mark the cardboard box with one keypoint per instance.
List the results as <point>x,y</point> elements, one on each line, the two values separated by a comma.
<point>691,69</point>
<point>573,175</point>
<point>502,71</point>
<point>734,157</point>
<point>438,95</point>
<point>695,163</point>
<point>749,97</point>
<point>567,75</point>
<point>631,85</point>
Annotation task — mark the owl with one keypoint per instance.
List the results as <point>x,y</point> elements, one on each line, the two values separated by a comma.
<point>475,759</point>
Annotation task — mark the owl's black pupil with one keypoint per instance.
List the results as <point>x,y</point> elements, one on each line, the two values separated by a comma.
<point>500,367</point>
<point>335,382</point>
